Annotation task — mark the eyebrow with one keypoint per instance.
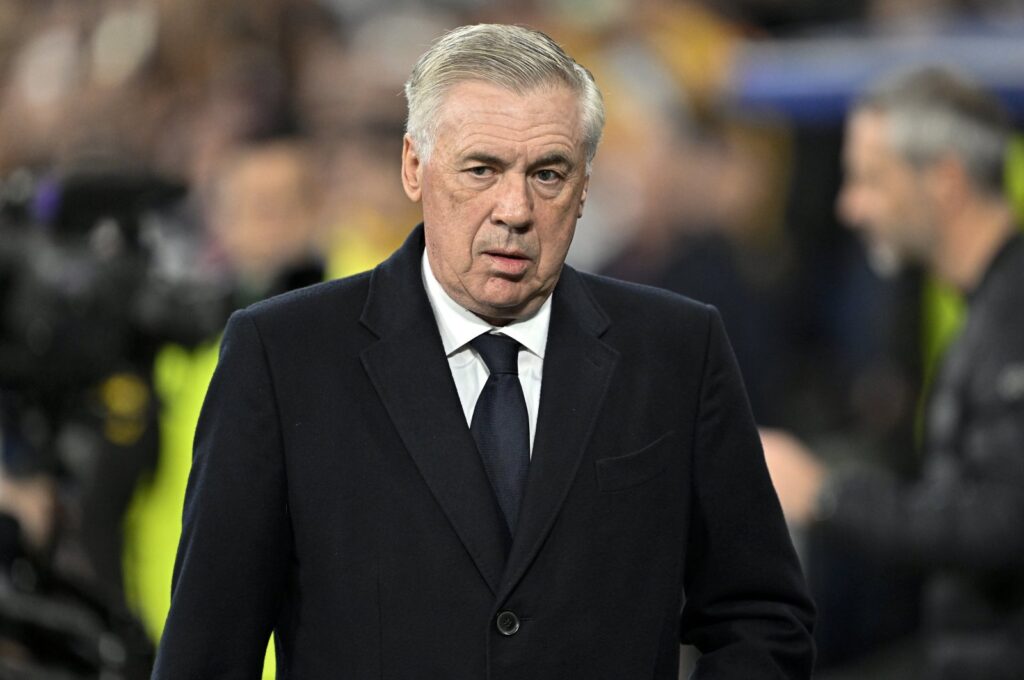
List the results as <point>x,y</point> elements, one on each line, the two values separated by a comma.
<point>484,158</point>
<point>553,158</point>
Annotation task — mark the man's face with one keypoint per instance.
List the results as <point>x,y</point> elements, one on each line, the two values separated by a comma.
<point>501,193</point>
<point>264,212</point>
<point>884,197</point>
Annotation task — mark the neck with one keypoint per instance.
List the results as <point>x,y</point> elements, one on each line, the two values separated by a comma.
<point>972,239</point>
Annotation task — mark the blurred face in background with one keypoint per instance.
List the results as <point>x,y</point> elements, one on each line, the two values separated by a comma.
<point>501,192</point>
<point>884,198</point>
<point>265,208</point>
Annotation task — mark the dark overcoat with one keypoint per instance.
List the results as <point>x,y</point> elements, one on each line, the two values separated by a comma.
<point>337,500</point>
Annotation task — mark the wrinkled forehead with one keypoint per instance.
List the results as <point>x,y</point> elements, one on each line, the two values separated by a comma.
<point>471,102</point>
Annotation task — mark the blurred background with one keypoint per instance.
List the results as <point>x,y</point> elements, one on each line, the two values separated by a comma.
<point>163,162</point>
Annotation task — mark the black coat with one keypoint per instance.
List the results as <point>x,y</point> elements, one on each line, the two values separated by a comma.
<point>337,499</point>
<point>962,523</point>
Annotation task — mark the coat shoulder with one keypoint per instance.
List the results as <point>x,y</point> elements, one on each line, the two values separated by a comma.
<point>314,319</point>
<point>638,304</point>
<point>342,298</point>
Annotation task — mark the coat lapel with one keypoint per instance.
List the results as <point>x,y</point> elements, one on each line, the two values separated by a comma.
<point>578,367</point>
<point>410,373</point>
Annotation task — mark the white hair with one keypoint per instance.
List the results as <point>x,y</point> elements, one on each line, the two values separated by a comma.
<point>934,111</point>
<point>514,57</point>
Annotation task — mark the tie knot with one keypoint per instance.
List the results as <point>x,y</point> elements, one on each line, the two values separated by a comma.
<point>499,352</point>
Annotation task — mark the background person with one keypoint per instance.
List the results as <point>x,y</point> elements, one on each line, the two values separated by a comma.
<point>924,161</point>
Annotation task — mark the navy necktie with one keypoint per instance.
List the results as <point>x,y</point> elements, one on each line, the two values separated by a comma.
<point>500,424</point>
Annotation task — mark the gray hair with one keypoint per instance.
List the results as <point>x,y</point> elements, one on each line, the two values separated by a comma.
<point>934,111</point>
<point>514,57</point>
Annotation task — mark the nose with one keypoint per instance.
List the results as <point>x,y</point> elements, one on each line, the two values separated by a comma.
<point>513,204</point>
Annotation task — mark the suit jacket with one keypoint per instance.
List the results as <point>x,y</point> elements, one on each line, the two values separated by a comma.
<point>337,499</point>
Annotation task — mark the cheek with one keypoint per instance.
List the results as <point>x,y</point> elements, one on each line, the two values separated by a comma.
<point>453,246</point>
<point>554,249</point>
<point>449,236</point>
<point>882,207</point>
<point>900,210</point>
<point>875,207</point>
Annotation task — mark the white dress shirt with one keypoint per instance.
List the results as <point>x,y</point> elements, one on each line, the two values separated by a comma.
<point>458,326</point>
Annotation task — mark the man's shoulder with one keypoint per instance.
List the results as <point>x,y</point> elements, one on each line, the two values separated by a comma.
<point>651,326</point>
<point>1008,291</point>
<point>625,299</point>
<point>339,298</point>
<point>994,319</point>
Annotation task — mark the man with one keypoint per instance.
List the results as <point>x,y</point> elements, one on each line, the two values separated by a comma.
<point>924,162</point>
<point>394,493</point>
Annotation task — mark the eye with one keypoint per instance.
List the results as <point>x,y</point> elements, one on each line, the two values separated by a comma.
<point>480,171</point>
<point>548,176</point>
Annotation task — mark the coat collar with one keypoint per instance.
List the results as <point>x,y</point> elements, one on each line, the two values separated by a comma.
<point>408,369</point>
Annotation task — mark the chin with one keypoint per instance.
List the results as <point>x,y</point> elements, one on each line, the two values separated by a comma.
<point>885,261</point>
<point>504,309</point>
<point>506,296</point>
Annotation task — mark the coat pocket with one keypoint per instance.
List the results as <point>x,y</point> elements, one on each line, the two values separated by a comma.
<point>632,469</point>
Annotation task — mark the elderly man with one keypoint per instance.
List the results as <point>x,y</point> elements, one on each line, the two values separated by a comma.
<point>474,461</point>
<point>924,162</point>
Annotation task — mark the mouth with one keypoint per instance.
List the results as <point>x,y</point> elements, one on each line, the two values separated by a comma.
<point>508,262</point>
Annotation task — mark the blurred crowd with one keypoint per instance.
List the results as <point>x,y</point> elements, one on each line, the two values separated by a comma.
<point>163,162</point>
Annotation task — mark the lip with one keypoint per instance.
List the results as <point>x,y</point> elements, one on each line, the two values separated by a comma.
<point>509,262</point>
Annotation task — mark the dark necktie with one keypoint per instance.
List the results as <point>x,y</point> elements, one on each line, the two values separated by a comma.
<point>500,425</point>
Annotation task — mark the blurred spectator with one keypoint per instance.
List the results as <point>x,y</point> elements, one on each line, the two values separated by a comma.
<point>264,215</point>
<point>347,100</point>
<point>263,211</point>
<point>712,231</point>
<point>924,164</point>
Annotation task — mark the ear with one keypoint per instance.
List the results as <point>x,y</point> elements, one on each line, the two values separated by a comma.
<point>583,196</point>
<point>412,170</point>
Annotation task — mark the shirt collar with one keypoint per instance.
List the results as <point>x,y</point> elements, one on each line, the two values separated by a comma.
<point>459,325</point>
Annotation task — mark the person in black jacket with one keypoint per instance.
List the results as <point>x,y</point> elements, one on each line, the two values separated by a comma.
<point>474,461</point>
<point>924,161</point>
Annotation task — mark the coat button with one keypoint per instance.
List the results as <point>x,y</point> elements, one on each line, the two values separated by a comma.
<point>508,623</point>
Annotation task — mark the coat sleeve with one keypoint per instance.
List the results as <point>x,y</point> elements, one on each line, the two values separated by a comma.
<point>230,571</point>
<point>747,609</point>
<point>967,509</point>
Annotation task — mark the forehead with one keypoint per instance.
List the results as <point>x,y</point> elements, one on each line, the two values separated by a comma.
<point>477,113</point>
<point>865,124</point>
<point>867,145</point>
<point>867,133</point>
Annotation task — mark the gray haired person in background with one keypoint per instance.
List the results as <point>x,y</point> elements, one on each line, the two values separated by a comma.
<point>924,161</point>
